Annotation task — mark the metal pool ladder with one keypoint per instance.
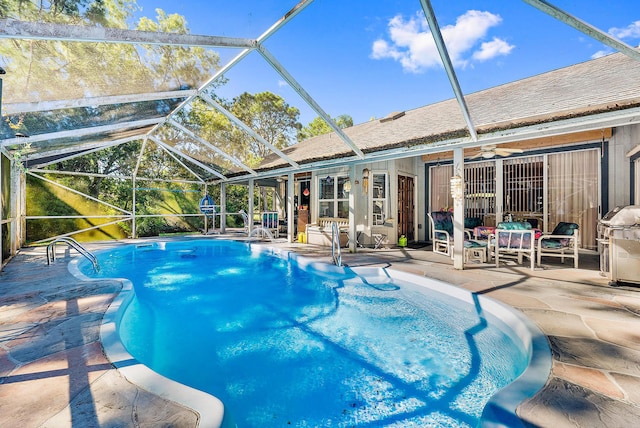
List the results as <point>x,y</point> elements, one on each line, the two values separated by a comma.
<point>51,250</point>
<point>336,255</point>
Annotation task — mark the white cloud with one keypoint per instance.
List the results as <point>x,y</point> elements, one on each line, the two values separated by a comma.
<point>411,43</point>
<point>631,31</point>
<point>601,53</point>
<point>282,83</point>
<point>492,49</point>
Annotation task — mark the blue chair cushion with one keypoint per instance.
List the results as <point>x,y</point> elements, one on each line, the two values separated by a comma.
<point>551,244</point>
<point>471,222</point>
<point>514,225</point>
<point>563,228</point>
<point>442,220</point>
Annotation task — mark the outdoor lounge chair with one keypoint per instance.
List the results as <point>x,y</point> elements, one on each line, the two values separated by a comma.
<point>442,230</point>
<point>562,242</point>
<point>515,239</point>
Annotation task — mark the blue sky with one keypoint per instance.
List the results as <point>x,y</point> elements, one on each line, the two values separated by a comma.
<point>370,58</point>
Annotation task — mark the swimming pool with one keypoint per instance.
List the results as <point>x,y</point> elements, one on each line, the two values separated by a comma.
<point>282,340</point>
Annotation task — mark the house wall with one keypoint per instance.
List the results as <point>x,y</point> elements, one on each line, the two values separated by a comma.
<point>363,197</point>
<point>616,181</point>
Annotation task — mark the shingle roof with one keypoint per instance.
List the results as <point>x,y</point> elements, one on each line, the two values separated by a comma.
<point>604,84</point>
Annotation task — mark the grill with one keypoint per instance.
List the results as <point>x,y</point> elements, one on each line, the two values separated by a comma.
<point>619,240</point>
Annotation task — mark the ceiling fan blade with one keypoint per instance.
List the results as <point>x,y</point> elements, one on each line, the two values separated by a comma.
<point>507,151</point>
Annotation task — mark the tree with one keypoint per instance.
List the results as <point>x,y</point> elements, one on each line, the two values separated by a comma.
<point>52,70</point>
<point>269,116</point>
<point>318,126</point>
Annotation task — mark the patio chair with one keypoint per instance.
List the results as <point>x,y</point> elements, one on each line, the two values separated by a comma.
<point>562,242</point>
<point>513,239</point>
<point>270,222</point>
<point>441,223</point>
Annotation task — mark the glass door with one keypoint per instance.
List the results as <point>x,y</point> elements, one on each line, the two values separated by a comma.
<point>523,196</point>
<point>574,192</point>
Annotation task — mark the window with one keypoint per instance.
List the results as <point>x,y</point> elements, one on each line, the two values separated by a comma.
<point>333,196</point>
<point>480,189</point>
<point>379,199</point>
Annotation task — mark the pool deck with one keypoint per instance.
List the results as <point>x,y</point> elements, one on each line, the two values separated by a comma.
<point>53,372</point>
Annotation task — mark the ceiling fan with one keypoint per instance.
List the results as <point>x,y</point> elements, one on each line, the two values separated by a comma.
<point>489,151</point>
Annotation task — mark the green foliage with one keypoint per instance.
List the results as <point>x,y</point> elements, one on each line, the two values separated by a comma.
<point>45,199</point>
<point>318,126</point>
<point>50,70</point>
<point>177,66</point>
<point>271,117</point>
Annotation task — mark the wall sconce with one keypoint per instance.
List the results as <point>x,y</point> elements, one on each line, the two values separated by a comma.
<point>365,180</point>
<point>347,186</point>
<point>457,189</point>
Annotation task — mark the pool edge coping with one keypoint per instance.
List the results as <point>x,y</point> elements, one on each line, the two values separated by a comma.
<point>209,409</point>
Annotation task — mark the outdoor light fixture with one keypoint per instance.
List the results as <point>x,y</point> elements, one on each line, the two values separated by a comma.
<point>306,192</point>
<point>457,188</point>
<point>365,180</point>
<point>347,186</point>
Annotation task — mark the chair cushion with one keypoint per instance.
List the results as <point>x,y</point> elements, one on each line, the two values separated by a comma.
<point>471,222</point>
<point>562,228</point>
<point>442,220</point>
<point>514,240</point>
<point>552,244</point>
<point>565,229</point>
<point>474,244</point>
<point>514,225</point>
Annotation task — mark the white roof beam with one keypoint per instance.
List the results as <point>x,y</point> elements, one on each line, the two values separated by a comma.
<point>235,60</point>
<point>584,27</point>
<point>286,18</point>
<point>213,78</point>
<point>80,132</point>
<point>448,65</point>
<point>170,154</point>
<point>179,153</point>
<point>14,29</point>
<point>74,150</point>
<point>207,144</point>
<point>305,96</point>
<point>17,108</point>
<point>246,129</point>
<point>177,159</point>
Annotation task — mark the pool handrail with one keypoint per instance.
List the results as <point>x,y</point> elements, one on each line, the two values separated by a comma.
<point>51,250</point>
<point>336,254</point>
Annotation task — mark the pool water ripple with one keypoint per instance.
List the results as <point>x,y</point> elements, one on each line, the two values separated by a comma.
<point>284,344</point>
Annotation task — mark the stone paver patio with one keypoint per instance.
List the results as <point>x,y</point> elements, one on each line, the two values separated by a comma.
<point>53,372</point>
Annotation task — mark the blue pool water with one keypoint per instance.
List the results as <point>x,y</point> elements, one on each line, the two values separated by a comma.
<point>283,343</point>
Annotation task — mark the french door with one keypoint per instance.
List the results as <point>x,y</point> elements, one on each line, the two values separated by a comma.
<point>406,207</point>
